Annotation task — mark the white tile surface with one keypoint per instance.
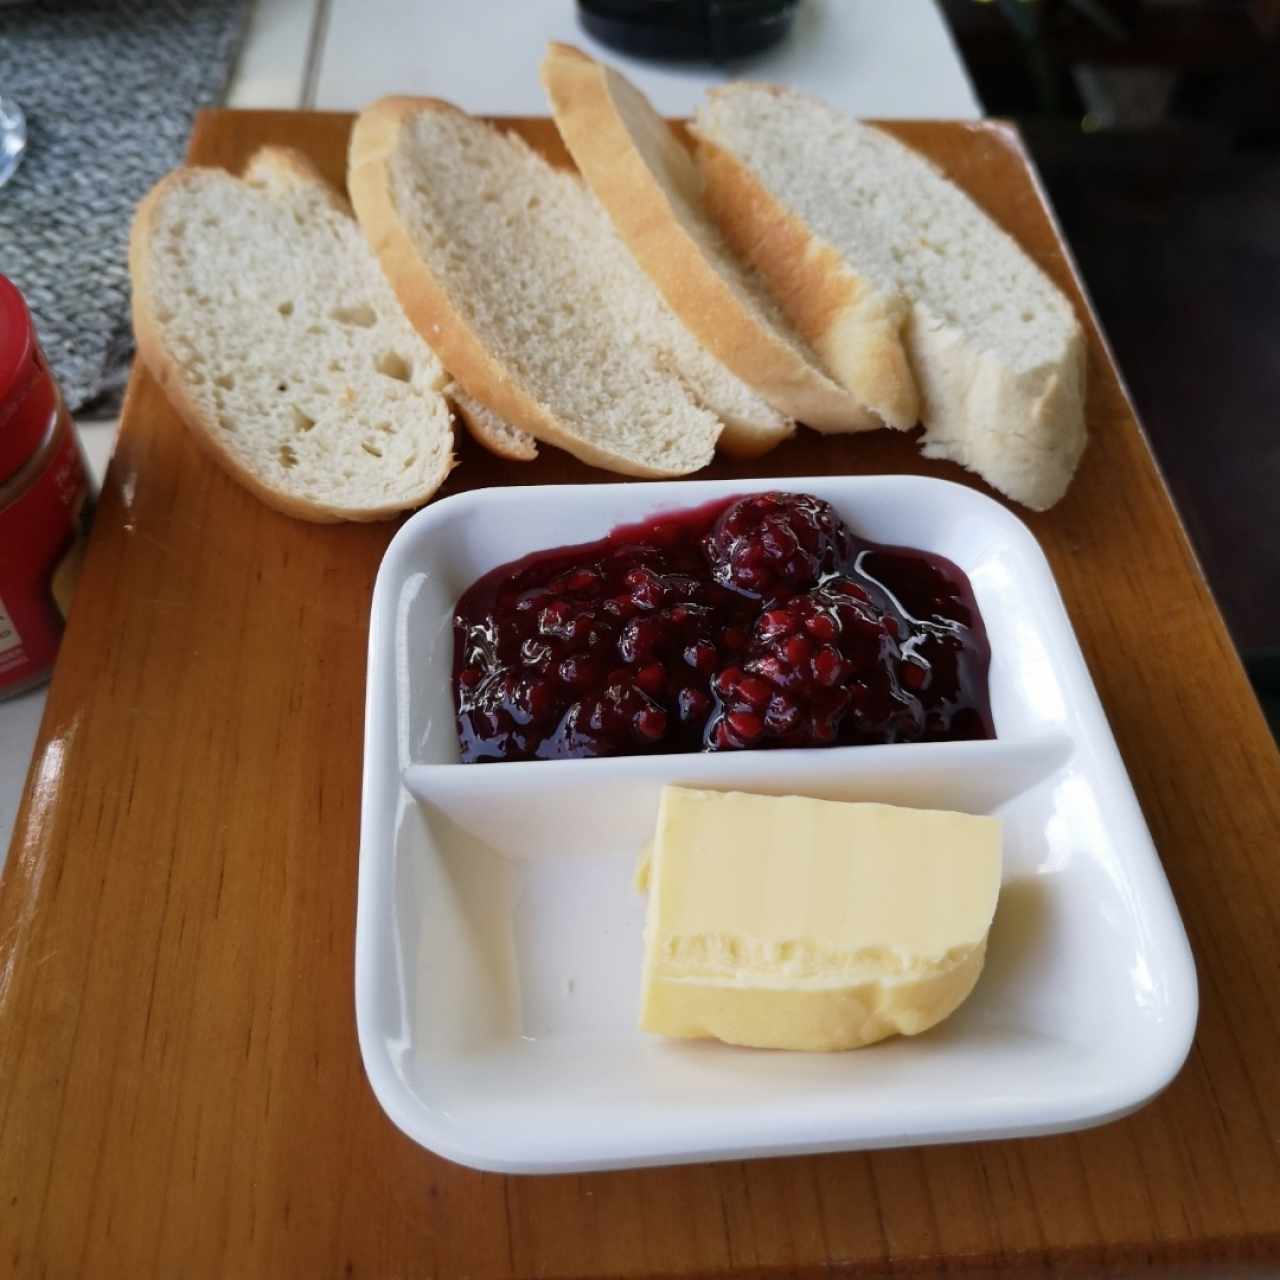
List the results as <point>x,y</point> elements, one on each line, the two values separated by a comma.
<point>99,438</point>
<point>871,57</point>
<point>271,69</point>
<point>19,720</point>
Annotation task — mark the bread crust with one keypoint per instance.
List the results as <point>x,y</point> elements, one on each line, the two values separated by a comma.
<point>857,330</point>
<point>427,302</point>
<point>513,444</point>
<point>591,113</point>
<point>160,363</point>
<point>291,167</point>
<point>1023,431</point>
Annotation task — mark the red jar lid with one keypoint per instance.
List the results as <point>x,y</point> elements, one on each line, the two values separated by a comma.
<point>26,390</point>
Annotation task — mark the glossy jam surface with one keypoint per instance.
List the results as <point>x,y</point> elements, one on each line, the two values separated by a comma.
<point>760,621</point>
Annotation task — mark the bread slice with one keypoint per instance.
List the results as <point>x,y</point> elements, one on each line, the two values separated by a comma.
<point>487,429</point>
<point>902,284</point>
<point>261,311</point>
<point>511,271</point>
<point>649,185</point>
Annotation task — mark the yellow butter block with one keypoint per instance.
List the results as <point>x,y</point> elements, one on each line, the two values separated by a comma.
<point>790,923</point>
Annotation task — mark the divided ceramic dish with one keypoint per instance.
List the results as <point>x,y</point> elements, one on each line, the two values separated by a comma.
<point>499,938</point>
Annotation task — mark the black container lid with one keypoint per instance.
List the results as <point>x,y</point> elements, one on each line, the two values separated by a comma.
<point>688,30</point>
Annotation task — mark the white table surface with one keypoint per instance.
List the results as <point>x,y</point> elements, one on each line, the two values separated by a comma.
<point>871,57</point>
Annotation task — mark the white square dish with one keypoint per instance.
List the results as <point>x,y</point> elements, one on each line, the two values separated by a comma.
<point>498,939</point>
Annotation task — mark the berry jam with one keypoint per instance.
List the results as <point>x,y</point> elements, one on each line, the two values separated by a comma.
<point>753,622</point>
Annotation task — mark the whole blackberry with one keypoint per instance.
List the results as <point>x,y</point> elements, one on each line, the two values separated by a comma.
<point>769,546</point>
<point>822,666</point>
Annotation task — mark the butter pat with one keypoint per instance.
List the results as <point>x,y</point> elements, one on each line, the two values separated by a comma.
<point>789,923</point>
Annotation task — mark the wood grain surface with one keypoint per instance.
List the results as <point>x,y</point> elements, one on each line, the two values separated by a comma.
<point>180,1088</point>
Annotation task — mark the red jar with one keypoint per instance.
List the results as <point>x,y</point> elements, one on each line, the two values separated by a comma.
<point>45,502</point>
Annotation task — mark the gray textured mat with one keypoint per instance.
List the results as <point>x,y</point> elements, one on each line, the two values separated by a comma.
<point>109,90</point>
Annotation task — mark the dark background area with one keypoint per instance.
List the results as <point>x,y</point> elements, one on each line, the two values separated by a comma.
<point>1156,127</point>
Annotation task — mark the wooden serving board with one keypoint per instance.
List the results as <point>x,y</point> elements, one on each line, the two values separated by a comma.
<point>180,1087</point>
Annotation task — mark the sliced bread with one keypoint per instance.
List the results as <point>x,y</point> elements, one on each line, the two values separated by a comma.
<point>902,284</point>
<point>512,272</point>
<point>650,187</point>
<point>487,429</point>
<point>263,314</point>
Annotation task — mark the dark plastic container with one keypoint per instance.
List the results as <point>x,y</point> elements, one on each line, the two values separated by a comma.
<point>688,30</point>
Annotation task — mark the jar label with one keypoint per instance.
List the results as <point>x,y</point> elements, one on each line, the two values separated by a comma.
<point>41,537</point>
<point>10,641</point>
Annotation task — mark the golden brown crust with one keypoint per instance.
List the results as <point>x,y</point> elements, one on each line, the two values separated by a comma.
<point>858,332</point>
<point>512,444</point>
<point>600,127</point>
<point>427,302</point>
<point>1023,432</point>
<point>155,354</point>
<point>271,163</point>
